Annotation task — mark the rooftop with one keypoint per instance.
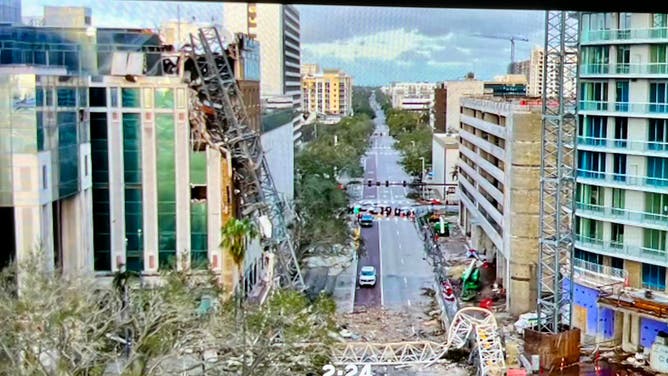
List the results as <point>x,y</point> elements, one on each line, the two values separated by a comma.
<point>504,104</point>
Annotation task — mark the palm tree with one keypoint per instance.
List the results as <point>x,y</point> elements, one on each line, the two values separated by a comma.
<point>235,236</point>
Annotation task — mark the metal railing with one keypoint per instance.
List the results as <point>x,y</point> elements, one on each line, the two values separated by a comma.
<point>621,250</point>
<point>626,69</point>
<point>597,274</point>
<point>625,107</point>
<point>626,214</point>
<point>635,145</point>
<point>626,179</point>
<point>624,34</point>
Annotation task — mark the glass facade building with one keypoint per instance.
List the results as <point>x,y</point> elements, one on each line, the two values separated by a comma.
<point>621,221</point>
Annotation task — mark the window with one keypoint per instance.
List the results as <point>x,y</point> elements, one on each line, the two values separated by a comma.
<point>130,97</point>
<point>595,95</point>
<point>164,98</point>
<point>654,239</point>
<point>98,97</point>
<point>617,262</point>
<point>588,256</point>
<point>45,183</point>
<point>589,228</point>
<point>49,96</point>
<point>657,59</point>
<point>621,131</point>
<point>618,198</point>
<point>617,234</point>
<point>66,97</point>
<point>113,97</point>
<point>83,97</point>
<point>658,97</point>
<point>622,96</point>
<point>593,129</point>
<point>659,25</point>
<point>653,277</point>
<point>591,164</point>
<point>597,57</point>
<point>656,203</point>
<point>657,171</point>
<point>658,134</point>
<point>623,58</point>
<point>619,167</point>
<point>590,194</point>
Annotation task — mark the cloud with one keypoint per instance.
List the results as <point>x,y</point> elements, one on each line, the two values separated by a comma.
<point>384,45</point>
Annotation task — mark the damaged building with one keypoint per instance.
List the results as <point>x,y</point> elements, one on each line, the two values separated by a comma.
<point>112,162</point>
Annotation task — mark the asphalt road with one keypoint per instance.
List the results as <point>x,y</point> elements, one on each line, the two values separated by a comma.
<point>393,245</point>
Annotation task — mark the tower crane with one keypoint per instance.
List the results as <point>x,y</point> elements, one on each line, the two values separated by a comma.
<point>512,40</point>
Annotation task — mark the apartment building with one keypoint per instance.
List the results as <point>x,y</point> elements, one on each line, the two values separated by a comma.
<point>412,96</point>
<point>328,92</point>
<point>499,189</point>
<point>277,28</point>
<point>621,217</point>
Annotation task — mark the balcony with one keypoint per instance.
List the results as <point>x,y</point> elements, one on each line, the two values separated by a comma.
<point>625,36</point>
<point>624,70</point>
<point>641,183</point>
<point>653,148</point>
<point>637,218</point>
<point>631,109</point>
<point>596,275</point>
<point>618,249</point>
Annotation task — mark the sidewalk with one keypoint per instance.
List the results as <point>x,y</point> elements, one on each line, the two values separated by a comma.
<point>344,288</point>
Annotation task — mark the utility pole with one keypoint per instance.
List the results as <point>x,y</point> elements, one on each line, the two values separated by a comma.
<point>422,177</point>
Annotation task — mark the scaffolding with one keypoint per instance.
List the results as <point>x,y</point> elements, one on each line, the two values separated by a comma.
<point>557,183</point>
<point>221,98</point>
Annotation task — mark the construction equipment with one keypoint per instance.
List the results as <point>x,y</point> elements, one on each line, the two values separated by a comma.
<point>470,282</point>
<point>470,326</point>
<point>219,92</point>
<point>512,40</point>
<point>558,161</point>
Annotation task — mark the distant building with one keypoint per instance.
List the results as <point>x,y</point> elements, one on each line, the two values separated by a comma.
<point>67,16</point>
<point>10,11</point>
<point>277,28</point>
<point>499,189</point>
<point>445,154</point>
<point>327,92</point>
<point>412,96</point>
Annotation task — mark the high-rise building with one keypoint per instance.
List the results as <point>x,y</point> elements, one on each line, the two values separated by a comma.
<point>277,28</point>
<point>10,11</point>
<point>499,189</point>
<point>621,213</point>
<point>328,92</point>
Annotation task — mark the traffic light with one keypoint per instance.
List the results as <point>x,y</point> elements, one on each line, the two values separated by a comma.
<point>404,183</point>
<point>387,183</point>
<point>377,184</point>
<point>368,183</point>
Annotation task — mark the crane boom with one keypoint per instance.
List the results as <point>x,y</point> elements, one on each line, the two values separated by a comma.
<point>511,38</point>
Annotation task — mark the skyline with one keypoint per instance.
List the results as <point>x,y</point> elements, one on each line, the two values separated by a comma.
<point>402,44</point>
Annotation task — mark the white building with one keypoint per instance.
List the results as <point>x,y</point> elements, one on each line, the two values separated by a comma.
<point>277,28</point>
<point>445,154</point>
<point>418,96</point>
<point>10,11</point>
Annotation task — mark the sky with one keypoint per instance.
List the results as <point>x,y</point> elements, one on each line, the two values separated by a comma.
<point>375,45</point>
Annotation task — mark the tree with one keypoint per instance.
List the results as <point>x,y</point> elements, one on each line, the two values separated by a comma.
<point>74,326</point>
<point>235,235</point>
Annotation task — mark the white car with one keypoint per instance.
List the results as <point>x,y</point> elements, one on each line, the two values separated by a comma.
<point>367,276</point>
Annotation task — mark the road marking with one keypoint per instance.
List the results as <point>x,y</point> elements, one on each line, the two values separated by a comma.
<point>380,266</point>
<point>409,304</point>
<point>405,281</point>
<point>402,260</point>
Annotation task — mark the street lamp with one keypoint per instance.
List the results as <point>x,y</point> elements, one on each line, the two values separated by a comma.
<point>422,177</point>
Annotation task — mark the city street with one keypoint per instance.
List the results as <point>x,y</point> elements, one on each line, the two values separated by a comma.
<point>393,245</point>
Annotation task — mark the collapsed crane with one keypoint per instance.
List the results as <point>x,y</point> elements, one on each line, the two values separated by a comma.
<point>228,129</point>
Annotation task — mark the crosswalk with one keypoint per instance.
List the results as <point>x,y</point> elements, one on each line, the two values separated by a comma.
<point>392,203</point>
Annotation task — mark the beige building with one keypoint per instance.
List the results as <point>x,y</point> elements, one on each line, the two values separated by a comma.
<point>499,189</point>
<point>67,16</point>
<point>328,92</point>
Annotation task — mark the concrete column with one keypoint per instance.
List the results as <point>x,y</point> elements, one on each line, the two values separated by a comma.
<point>70,224</point>
<point>149,196</point>
<point>116,190</point>
<point>214,198</point>
<point>182,155</point>
<point>635,332</point>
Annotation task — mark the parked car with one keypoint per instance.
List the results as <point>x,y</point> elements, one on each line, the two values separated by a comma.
<point>367,276</point>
